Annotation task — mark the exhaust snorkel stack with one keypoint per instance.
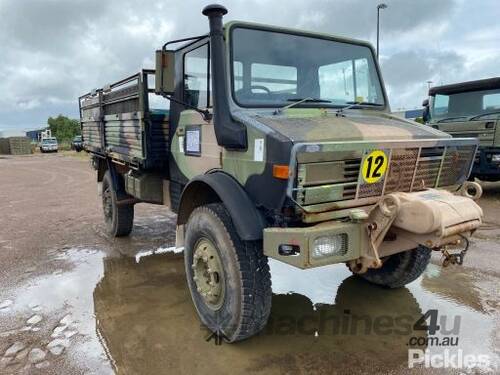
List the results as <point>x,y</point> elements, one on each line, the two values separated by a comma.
<point>229,133</point>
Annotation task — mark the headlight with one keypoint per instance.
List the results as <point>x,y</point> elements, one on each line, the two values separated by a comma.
<point>495,158</point>
<point>333,245</point>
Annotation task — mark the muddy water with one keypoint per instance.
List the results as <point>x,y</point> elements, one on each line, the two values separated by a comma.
<point>133,315</point>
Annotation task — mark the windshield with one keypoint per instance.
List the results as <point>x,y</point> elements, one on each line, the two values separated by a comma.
<point>50,141</point>
<point>464,105</point>
<point>272,69</point>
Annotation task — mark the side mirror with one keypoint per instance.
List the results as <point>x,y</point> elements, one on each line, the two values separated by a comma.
<point>425,114</point>
<point>165,72</point>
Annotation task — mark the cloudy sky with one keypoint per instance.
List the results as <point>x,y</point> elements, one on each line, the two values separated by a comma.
<point>52,51</point>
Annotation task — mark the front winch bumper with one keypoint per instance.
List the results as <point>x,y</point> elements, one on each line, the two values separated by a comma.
<point>398,222</point>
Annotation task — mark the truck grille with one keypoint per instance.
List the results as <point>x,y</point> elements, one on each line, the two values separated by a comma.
<point>409,169</point>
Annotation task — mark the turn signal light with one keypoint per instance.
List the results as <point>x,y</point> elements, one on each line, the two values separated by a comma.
<point>281,171</point>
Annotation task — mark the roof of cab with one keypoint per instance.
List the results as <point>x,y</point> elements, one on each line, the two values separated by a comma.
<point>455,88</point>
<point>231,24</point>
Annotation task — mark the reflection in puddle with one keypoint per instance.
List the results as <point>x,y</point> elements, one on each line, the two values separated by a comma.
<point>455,293</point>
<point>146,319</point>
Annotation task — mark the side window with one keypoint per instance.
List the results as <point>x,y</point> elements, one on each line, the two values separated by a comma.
<point>364,90</point>
<point>196,77</point>
<point>339,83</point>
<point>238,75</point>
<point>336,81</point>
<point>274,78</point>
<point>441,104</point>
<point>491,101</point>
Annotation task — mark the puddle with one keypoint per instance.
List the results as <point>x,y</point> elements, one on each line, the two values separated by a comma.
<point>134,315</point>
<point>54,314</point>
<point>321,320</point>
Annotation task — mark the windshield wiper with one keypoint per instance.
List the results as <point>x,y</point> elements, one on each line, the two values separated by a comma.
<point>312,100</point>
<point>483,114</point>
<point>297,101</point>
<point>363,103</point>
<point>350,105</point>
<point>450,118</point>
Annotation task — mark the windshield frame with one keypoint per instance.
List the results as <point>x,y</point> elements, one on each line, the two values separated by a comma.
<point>245,25</point>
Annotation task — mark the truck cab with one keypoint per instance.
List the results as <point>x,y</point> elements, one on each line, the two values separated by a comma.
<point>470,109</point>
<point>278,143</point>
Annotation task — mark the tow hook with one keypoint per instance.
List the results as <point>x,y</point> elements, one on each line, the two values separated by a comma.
<point>455,258</point>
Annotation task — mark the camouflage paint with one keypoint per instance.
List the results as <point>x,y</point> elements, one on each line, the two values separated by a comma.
<point>353,125</point>
<point>210,157</point>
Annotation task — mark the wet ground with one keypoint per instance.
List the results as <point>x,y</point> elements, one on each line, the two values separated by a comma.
<point>73,301</point>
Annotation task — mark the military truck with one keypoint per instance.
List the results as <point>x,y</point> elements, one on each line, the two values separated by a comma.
<point>277,143</point>
<point>470,109</point>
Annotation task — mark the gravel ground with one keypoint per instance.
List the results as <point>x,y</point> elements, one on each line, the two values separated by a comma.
<point>73,301</point>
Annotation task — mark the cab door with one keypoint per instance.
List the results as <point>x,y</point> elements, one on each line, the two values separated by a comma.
<point>194,145</point>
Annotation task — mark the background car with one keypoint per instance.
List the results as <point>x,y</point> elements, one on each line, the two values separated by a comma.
<point>49,145</point>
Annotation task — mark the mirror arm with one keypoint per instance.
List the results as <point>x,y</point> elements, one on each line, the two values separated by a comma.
<point>164,47</point>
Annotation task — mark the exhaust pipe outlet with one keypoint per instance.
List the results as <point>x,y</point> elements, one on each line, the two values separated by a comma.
<point>230,134</point>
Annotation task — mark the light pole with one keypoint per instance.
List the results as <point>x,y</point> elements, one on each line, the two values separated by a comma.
<point>380,6</point>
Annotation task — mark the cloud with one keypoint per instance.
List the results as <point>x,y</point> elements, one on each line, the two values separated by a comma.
<point>55,50</point>
<point>407,73</point>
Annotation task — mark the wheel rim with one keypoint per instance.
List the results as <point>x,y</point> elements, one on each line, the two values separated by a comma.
<point>107,204</point>
<point>208,274</point>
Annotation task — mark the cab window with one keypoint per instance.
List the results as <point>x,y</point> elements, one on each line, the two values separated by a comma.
<point>347,81</point>
<point>491,102</point>
<point>197,77</point>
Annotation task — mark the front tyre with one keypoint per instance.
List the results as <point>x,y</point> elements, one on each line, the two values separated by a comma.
<point>119,219</point>
<point>228,278</point>
<point>400,269</point>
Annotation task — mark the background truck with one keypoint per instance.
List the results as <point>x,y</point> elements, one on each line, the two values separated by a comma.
<point>470,109</point>
<point>278,143</point>
<point>77,143</point>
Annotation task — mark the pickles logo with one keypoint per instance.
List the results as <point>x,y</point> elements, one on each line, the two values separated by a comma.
<point>374,166</point>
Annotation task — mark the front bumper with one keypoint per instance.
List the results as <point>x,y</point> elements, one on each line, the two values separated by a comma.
<point>303,239</point>
<point>485,165</point>
<point>432,218</point>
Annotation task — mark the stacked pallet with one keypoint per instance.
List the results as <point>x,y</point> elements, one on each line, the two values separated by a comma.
<point>15,146</point>
<point>4,146</point>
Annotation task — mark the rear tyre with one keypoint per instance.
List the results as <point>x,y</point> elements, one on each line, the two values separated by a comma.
<point>400,269</point>
<point>119,219</point>
<point>228,278</point>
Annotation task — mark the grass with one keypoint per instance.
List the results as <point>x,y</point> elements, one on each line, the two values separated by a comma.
<point>79,155</point>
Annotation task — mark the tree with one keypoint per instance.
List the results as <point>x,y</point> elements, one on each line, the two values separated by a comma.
<point>64,128</point>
